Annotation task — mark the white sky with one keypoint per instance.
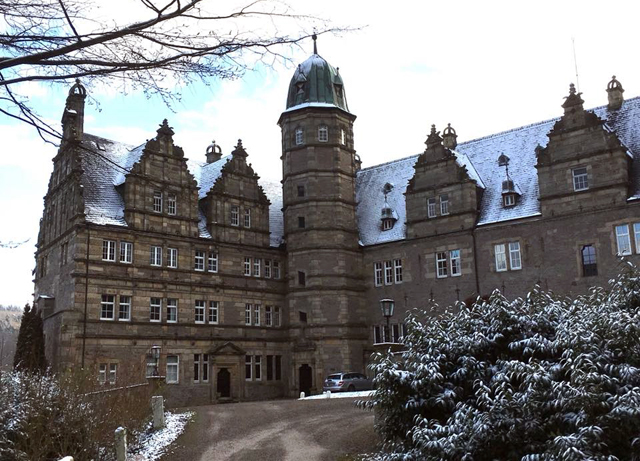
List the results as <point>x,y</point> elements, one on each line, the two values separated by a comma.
<point>483,66</point>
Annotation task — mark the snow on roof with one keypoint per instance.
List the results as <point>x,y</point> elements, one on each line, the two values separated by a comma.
<point>311,104</point>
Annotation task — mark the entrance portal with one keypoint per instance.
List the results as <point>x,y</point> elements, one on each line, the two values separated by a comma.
<point>306,380</point>
<point>224,383</point>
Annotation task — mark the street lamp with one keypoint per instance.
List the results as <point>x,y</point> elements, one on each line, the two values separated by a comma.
<point>387,306</point>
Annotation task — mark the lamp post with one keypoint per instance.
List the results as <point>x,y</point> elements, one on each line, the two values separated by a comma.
<point>387,305</point>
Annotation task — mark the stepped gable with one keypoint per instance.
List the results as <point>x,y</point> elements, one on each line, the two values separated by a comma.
<point>479,157</point>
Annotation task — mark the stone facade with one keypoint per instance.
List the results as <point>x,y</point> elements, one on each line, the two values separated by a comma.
<point>238,289</point>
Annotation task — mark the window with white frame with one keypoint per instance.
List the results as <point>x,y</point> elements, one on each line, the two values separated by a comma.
<point>126,252</point>
<point>268,316</point>
<point>257,366</point>
<point>247,266</point>
<point>172,204</point>
<point>199,260</point>
<point>377,274</point>
<point>172,257</point>
<point>343,137</point>
<point>454,263</point>
<point>157,201</point>
<point>107,307</point>
<point>444,204</point>
<point>580,179</point>
<point>124,308</point>
<point>509,200</point>
<point>397,268</point>
<point>107,373</point>
<point>256,315</point>
<point>113,371</point>
<point>172,310</point>
<point>267,268</point>
<point>200,368</point>
<point>623,240</point>
<point>387,224</point>
<point>248,367</point>
<point>248,308</point>
<point>636,232</point>
<point>388,272</point>
<point>276,269</point>
<point>102,373</point>
<point>199,311</point>
<point>213,262</point>
<point>155,309</point>
<point>108,250</point>
<point>441,264</point>
<point>173,367</point>
<point>213,311</point>
<point>247,217</point>
<point>235,216</point>
<point>276,316</point>
<point>156,256</point>
<point>323,133</point>
<point>299,136</point>
<point>256,267</point>
<point>501,257</point>
<point>515,261</point>
<point>431,208</point>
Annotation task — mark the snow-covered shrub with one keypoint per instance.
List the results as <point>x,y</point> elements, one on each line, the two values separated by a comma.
<point>541,378</point>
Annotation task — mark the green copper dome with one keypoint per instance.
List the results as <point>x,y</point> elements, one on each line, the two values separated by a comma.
<point>316,83</point>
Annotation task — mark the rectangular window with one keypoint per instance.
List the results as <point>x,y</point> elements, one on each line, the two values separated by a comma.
<point>107,307</point>
<point>397,267</point>
<point>441,264</point>
<point>276,316</point>
<point>301,222</point>
<point>514,256</point>
<point>199,311</point>
<point>124,308</point>
<point>377,334</point>
<point>172,257</point>
<point>157,201</point>
<point>454,260</point>
<point>501,258</point>
<point>431,208</point>
<point>258,367</point>
<point>213,312</point>
<point>267,268</point>
<point>377,274</point>
<point>589,265</point>
<point>388,273</point>
<point>247,367</point>
<point>199,260</point>
<point>172,310</point>
<point>156,256</point>
<point>623,240</point>
<point>299,136</point>
<point>235,216</point>
<point>256,315</point>
<point>269,367</point>
<point>247,314</point>
<point>173,363</point>
<point>278,367</point>
<point>300,191</point>
<point>276,269</point>
<point>268,316</point>
<point>108,250</point>
<point>196,368</point>
<point>580,179</point>
<point>126,252</point>
<point>205,368</point>
<point>444,204</point>
<point>395,333</point>
<point>302,278</point>
<point>155,309</point>
<point>213,262</point>
<point>256,267</point>
<point>113,371</point>
<point>323,133</point>
<point>102,373</point>
<point>636,231</point>
<point>171,204</point>
<point>247,217</point>
<point>247,266</point>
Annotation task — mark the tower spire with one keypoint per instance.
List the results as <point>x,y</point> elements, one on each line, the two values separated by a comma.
<point>315,46</point>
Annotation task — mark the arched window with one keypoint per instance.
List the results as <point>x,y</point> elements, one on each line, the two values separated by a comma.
<point>299,136</point>
<point>323,133</point>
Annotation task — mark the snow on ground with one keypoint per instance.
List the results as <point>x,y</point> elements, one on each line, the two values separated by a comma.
<point>339,395</point>
<point>153,444</point>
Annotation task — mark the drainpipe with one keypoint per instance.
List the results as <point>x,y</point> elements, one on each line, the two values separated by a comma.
<point>86,295</point>
<point>475,262</point>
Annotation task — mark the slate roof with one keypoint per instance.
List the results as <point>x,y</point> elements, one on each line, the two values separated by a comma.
<point>104,204</point>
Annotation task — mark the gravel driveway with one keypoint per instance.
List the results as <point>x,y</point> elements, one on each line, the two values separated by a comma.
<point>290,430</point>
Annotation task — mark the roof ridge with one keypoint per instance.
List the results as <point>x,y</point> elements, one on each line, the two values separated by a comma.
<point>389,162</point>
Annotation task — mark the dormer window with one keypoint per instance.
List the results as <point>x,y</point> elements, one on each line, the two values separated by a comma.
<point>323,133</point>
<point>299,136</point>
<point>387,224</point>
<point>580,179</point>
<point>509,200</point>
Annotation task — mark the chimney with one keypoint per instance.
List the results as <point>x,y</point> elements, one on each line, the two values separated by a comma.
<point>449,137</point>
<point>614,91</point>
<point>73,115</point>
<point>214,152</point>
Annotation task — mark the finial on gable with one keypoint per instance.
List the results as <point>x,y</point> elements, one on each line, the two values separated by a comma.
<point>574,100</point>
<point>449,137</point>
<point>239,150</point>
<point>315,45</point>
<point>434,138</point>
<point>214,152</point>
<point>165,130</point>
<point>614,92</point>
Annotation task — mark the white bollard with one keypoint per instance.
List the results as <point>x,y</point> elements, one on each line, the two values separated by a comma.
<point>328,394</point>
<point>157,407</point>
<point>67,458</point>
<point>302,395</point>
<point>121,444</point>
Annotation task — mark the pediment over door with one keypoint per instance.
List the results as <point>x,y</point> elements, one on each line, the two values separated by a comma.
<point>227,348</point>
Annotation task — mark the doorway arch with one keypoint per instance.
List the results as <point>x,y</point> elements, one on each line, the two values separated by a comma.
<point>223,383</point>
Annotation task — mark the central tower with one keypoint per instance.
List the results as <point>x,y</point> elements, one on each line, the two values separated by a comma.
<point>325,293</point>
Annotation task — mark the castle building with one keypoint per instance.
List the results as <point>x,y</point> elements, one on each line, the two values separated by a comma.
<point>237,288</point>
